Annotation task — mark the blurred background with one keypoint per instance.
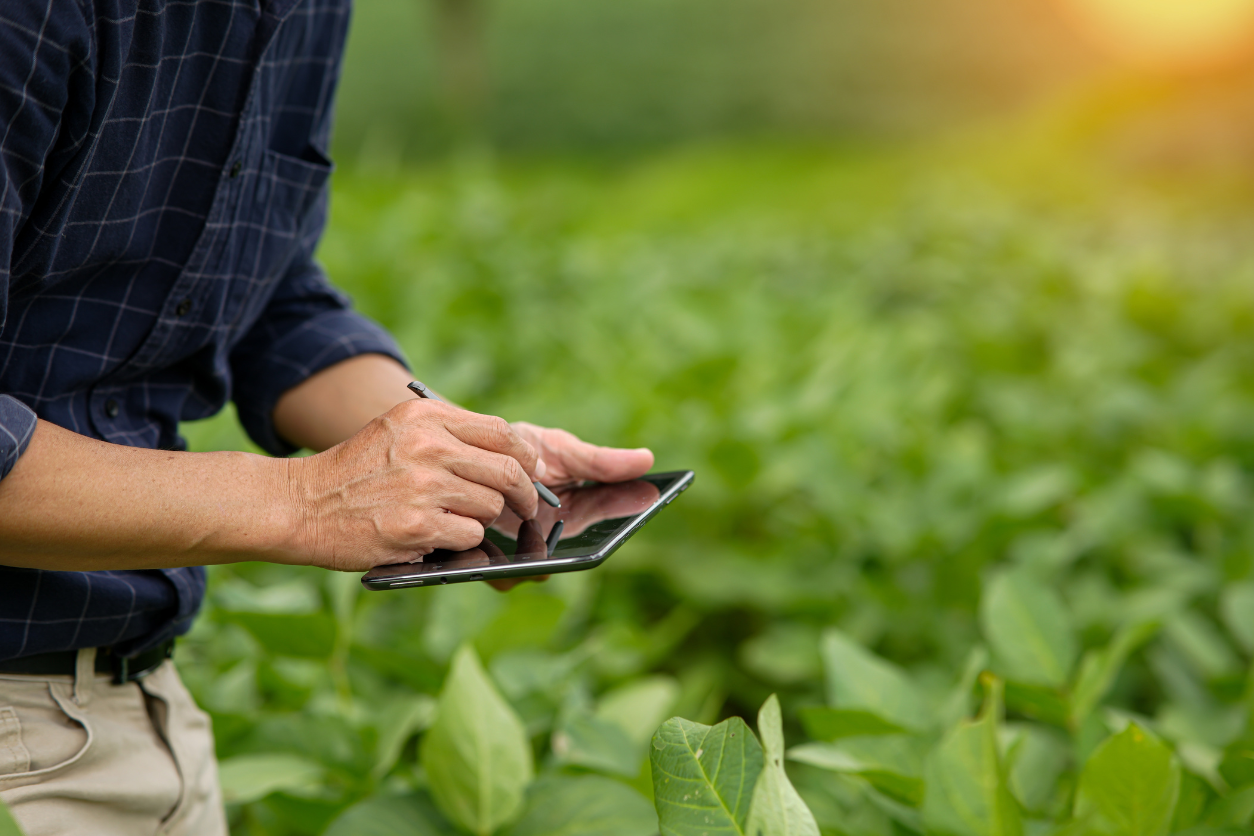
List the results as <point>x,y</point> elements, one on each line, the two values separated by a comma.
<point>921,289</point>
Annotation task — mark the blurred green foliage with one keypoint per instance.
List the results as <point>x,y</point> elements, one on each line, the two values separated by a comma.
<point>950,413</point>
<point>598,77</point>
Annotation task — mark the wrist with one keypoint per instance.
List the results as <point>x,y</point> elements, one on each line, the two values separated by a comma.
<point>263,522</point>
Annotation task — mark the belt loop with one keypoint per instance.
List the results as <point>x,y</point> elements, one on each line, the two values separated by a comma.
<point>84,675</point>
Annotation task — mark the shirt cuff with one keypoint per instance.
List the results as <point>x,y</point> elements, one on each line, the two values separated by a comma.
<point>17,425</point>
<point>320,342</point>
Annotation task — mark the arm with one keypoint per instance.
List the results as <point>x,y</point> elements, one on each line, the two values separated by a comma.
<point>422,476</point>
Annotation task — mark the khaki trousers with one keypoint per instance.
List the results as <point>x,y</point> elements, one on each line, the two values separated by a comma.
<point>80,755</point>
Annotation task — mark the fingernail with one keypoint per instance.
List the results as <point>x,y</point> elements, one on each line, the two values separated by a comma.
<point>541,468</point>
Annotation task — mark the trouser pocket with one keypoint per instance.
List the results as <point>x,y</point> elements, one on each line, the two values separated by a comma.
<point>40,732</point>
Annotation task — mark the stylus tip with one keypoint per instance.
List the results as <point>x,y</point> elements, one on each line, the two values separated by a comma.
<point>547,495</point>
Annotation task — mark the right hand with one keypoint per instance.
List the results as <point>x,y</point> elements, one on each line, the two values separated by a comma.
<point>423,476</point>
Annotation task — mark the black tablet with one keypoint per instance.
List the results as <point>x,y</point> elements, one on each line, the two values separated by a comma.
<point>594,520</point>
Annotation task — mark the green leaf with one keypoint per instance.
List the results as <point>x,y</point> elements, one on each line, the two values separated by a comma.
<point>703,776</point>
<point>389,815</point>
<point>476,753</point>
<point>310,636</point>
<point>1028,628</point>
<point>8,825</point>
<point>859,680</point>
<point>588,805</point>
<point>1035,757</point>
<point>887,763</point>
<point>1099,668</point>
<point>398,722</point>
<point>246,778</point>
<point>967,792</point>
<point>1129,786</point>
<point>583,739</point>
<point>777,809</point>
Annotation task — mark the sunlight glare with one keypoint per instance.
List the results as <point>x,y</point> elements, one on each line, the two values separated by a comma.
<point>1169,33</point>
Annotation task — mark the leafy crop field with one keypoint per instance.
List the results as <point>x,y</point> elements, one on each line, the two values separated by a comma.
<point>975,457</point>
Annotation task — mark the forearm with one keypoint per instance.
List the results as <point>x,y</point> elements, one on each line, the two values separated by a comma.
<point>334,404</point>
<point>76,504</point>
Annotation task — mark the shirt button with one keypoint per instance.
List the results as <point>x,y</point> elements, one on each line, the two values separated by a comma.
<point>111,408</point>
<point>236,169</point>
<point>183,308</point>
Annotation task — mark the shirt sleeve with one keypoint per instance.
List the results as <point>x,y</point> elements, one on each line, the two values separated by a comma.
<point>45,60</point>
<point>307,327</point>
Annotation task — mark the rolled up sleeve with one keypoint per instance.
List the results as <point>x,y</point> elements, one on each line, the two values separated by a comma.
<point>17,425</point>
<point>44,53</point>
<point>307,327</point>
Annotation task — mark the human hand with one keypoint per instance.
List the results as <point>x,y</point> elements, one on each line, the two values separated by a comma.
<point>424,475</point>
<point>567,459</point>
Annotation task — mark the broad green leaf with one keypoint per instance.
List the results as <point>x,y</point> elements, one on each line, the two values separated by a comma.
<point>476,754</point>
<point>583,739</point>
<point>1028,628</point>
<point>398,722</point>
<point>1035,758</point>
<point>587,805</point>
<point>311,635</point>
<point>703,776</point>
<point>967,792</point>
<point>1129,786</point>
<point>389,815</point>
<point>8,825</point>
<point>1099,668</point>
<point>823,723</point>
<point>777,809</point>
<point>1201,644</point>
<point>640,706</point>
<point>890,764</point>
<point>1236,604</point>
<point>246,778</point>
<point>859,680</point>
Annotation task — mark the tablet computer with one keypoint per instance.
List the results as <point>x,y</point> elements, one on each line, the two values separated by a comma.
<point>594,520</point>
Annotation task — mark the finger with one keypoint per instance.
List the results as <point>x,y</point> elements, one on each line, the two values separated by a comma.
<point>581,460</point>
<point>502,474</point>
<point>468,498</point>
<point>455,533</point>
<point>488,432</point>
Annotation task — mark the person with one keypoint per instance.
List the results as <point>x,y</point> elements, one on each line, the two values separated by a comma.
<point>164,185</point>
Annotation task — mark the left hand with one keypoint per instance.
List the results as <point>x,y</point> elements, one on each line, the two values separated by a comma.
<point>566,459</point>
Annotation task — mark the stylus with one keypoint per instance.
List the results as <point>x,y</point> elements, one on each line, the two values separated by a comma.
<point>423,392</point>
<point>554,536</point>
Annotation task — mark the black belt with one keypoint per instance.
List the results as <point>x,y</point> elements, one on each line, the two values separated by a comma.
<point>65,662</point>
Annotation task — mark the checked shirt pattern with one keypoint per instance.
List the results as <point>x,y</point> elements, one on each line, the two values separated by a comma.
<point>163,185</point>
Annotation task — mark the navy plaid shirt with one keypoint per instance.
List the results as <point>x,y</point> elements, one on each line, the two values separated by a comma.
<point>163,184</point>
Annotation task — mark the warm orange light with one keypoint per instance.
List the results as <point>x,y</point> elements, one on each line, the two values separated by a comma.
<point>1170,33</point>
